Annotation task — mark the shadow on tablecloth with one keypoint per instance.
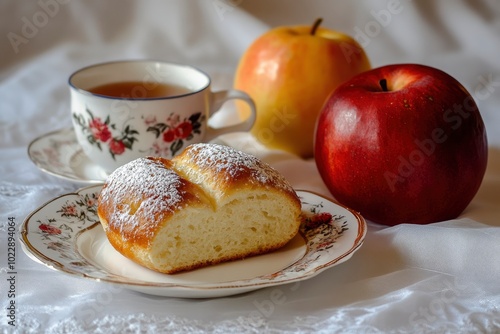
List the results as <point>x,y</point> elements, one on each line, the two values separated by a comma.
<point>485,207</point>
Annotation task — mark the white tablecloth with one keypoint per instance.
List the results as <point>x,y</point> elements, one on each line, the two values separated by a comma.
<point>441,277</point>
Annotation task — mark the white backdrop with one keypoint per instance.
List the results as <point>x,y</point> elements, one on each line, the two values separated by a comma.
<point>441,277</point>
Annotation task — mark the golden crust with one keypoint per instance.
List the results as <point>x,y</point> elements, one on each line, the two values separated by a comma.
<point>140,196</point>
<point>220,171</point>
<point>143,197</point>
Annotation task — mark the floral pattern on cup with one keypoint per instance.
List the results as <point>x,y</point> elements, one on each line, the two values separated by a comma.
<point>172,134</point>
<point>99,132</point>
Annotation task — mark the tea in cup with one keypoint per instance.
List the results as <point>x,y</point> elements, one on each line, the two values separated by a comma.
<point>129,109</point>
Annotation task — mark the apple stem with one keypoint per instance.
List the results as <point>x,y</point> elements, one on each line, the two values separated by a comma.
<point>316,25</point>
<point>383,84</point>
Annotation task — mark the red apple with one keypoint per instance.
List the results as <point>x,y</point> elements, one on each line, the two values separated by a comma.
<point>402,143</point>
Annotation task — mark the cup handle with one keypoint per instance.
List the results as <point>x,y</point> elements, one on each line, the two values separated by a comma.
<point>218,99</point>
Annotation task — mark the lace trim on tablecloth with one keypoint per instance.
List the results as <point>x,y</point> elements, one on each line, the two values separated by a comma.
<point>141,323</point>
<point>18,200</point>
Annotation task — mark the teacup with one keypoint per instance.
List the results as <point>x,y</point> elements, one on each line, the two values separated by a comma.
<point>129,109</point>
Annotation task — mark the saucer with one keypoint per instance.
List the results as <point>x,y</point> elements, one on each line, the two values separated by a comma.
<point>58,153</point>
<point>65,235</point>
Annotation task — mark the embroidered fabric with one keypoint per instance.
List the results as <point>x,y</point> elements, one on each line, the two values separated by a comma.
<point>338,323</point>
<point>437,278</point>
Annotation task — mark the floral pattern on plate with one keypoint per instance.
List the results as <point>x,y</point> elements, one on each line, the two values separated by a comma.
<point>52,155</point>
<point>58,153</point>
<point>52,235</point>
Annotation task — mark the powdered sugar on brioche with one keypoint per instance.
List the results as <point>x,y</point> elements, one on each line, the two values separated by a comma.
<point>160,192</point>
<point>147,190</point>
<point>234,164</point>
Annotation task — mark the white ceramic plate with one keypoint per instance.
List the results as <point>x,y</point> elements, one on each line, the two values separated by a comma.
<point>58,153</point>
<point>65,235</point>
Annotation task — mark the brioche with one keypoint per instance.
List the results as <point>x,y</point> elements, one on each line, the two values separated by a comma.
<point>210,204</point>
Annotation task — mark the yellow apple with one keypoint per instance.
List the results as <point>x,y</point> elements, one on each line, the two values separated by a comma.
<point>290,72</point>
